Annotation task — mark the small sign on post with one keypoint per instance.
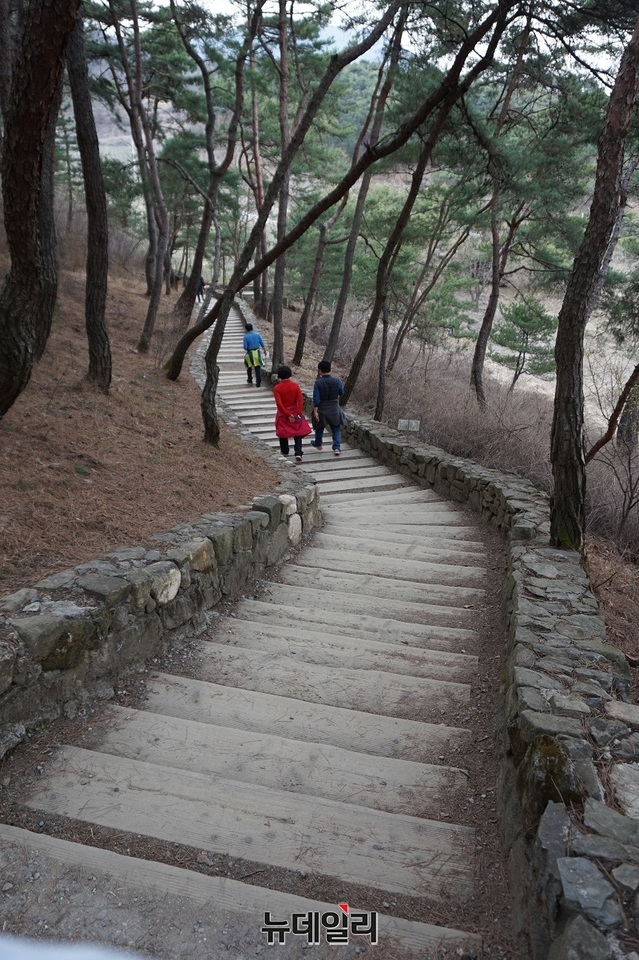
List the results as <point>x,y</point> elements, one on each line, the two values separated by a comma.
<point>409,426</point>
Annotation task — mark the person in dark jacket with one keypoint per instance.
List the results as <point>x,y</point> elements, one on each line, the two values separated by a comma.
<point>326,409</point>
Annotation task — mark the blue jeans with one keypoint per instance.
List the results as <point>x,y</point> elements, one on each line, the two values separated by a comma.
<point>335,431</point>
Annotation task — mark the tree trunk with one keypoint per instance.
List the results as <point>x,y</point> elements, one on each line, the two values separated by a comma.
<point>387,260</point>
<point>500,255</point>
<point>479,355</point>
<point>310,296</point>
<point>6,45</point>
<point>48,238</point>
<point>97,264</point>
<point>25,301</point>
<point>624,414</point>
<point>567,518</point>
<point>381,379</point>
<point>349,254</point>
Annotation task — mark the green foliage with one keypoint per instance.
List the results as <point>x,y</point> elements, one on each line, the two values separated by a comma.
<point>124,194</point>
<point>620,304</point>
<point>527,331</point>
<point>445,319</point>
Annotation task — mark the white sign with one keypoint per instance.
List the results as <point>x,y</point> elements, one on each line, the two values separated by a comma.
<point>409,425</point>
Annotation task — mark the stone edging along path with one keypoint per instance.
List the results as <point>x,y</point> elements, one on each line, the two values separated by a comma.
<point>63,640</point>
<point>568,728</point>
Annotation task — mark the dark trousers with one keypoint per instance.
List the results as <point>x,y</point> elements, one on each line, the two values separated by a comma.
<point>258,375</point>
<point>297,446</point>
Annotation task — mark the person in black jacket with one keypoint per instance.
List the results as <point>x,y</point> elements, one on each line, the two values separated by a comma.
<point>326,409</point>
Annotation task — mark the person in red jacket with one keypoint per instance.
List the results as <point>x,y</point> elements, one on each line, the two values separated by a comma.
<point>290,422</point>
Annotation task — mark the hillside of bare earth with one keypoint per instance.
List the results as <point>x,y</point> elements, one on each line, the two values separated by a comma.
<point>83,473</point>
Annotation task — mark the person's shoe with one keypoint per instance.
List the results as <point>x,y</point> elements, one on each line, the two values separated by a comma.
<point>313,444</point>
<point>298,459</point>
<point>337,452</point>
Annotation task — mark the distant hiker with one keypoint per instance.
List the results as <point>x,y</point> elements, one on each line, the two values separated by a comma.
<point>200,289</point>
<point>254,357</point>
<point>290,422</point>
<point>326,409</point>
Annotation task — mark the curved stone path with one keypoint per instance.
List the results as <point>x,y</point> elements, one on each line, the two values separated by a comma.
<point>314,739</point>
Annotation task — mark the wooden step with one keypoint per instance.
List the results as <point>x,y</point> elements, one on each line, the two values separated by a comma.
<point>372,691</point>
<point>392,852</point>
<point>326,649</point>
<point>397,786</point>
<point>222,900</point>
<point>294,719</point>
<point>431,637</point>
<point>341,600</point>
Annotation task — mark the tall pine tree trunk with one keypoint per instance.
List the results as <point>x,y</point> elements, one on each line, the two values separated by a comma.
<point>567,517</point>
<point>25,301</point>
<point>97,264</point>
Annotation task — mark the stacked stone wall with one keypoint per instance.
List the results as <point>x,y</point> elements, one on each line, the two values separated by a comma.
<point>571,736</point>
<point>64,640</point>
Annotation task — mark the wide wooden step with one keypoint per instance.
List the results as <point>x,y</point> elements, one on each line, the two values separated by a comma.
<point>392,852</point>
<point>167,892</point>
<point>373,691</point>
<point>296,719</point>
<point>397,786</point>
<point>431,637</point>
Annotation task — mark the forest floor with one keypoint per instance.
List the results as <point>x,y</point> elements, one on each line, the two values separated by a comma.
<point>83,473</point>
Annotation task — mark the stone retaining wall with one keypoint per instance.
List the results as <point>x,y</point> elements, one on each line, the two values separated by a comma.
<point>63,640</point>
<point>571,738</point>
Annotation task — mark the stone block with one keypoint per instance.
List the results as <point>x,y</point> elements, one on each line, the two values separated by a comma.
<point>278,545</point>
<point>15,602</point>
<point>199,555</point>
<point>604,732</point>
<point>108,590</point>
<point>222,539</point>
<point>10,737</point>
<point>524,698</point>
<point>587,779</point>
<point>545,773</point>
<point>271,506</point>
<point>289,504</point>
<point>581,941</point>
<point>57,580</point>
<point>586,891</point>
<point>177,612</point>
<point>165,581</point>
<point>625,780</point>
<point>551,843</point>
<point>624,712</point>
<point>257,519</point>
<point>607,822</point>
<point>235,576</point>
<point>627,749</point>
<point>295,529</point>
<point>628,876</point>
<point>8,659</point>
<point>140,594</point>
<point>569,706</point>
<point>546,724</point>
<point>55,642</point>
<point>602,848</point>
<point>523,677</point>
<point>243,536</point>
